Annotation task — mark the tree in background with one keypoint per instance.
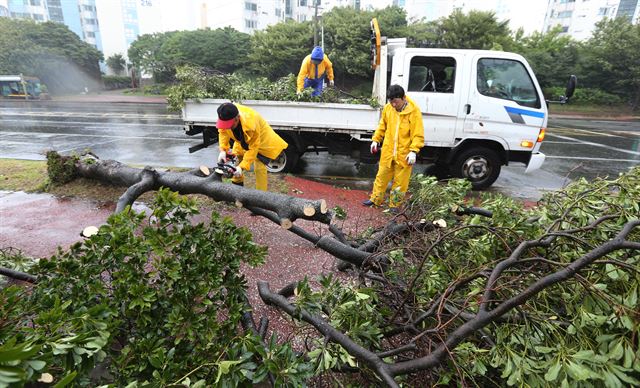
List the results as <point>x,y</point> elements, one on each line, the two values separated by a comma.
<point>279,49</point>
<point>146,54</point>
<point>347,37</point>
<point>49,51</point>
<point>478,30</point>
<point>553,57</point>
<point>223,49</point>
<point>611,59</point>
<point>116,63</point>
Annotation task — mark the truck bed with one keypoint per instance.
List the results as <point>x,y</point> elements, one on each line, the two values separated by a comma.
<point>352,119</point>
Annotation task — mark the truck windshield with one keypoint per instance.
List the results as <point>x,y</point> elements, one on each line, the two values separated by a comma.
<point>506,79</point>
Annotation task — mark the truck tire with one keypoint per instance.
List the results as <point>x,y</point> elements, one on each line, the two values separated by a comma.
<point>479,165</point>
<point>286,162</point>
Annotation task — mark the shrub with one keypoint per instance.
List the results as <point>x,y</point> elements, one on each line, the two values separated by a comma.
<point>156,299</point>
<point>585,96</point>
<point>112,82</point>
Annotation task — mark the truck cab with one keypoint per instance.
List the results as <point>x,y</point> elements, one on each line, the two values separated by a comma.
<point>481,109</point>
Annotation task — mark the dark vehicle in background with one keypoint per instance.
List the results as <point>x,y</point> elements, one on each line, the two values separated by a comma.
<point>22,87</point>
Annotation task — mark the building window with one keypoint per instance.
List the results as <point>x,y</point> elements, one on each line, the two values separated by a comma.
<point>88,8</point>
<point>565,28</point>
<point>278,12</point>
<point>251,6</point>
<point>250,23</point>
<point>90,22</point>
<point>303,3</point>
<point>91,34</point>
<point>565,14</point>
<point>35,2</point>
<point>53,3</point>
<point>603,11</point>
<point>37,17</point>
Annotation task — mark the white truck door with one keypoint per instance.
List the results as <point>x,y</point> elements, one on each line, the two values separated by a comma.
<point>436,82</point>
<point>505,102</point>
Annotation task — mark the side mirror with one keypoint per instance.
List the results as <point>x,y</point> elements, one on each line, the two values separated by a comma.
<point>571,86</point>
<point>568,93</point>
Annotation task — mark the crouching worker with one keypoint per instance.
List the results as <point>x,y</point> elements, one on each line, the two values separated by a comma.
<point>255,142</point>
<point>402,130</point>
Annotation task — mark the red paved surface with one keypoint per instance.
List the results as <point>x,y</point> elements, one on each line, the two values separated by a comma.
<point>38,223</point>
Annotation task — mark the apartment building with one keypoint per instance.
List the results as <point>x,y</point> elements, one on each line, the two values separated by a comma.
<point>78,15</point>
<point>578,18</point>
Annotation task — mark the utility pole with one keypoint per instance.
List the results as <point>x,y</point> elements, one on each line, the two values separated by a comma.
<point>315,24</point>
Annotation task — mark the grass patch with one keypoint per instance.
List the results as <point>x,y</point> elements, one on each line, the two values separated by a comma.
<point>593,110</point>
<point>23,175</point>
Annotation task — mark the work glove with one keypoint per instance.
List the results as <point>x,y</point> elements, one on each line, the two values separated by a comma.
<point>374,147</point>
<point>411,158</point>
<point>222,157</point>
<point>331,83</point>
<point>238,172</point>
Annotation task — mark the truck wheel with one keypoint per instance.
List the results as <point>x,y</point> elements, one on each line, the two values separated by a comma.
<point>286,162</point>
<point>479,165</point>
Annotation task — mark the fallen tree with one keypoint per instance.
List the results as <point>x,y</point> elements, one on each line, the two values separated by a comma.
<point>448,291</point>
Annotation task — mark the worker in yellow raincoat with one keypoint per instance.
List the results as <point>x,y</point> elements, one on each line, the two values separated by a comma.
<point>402,130</point>
<point>255,142</point>
<point>314,69</point>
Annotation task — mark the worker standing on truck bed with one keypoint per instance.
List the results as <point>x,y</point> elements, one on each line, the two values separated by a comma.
<point>314,69</point>
<point>255,142</point>
<point>402,130</point>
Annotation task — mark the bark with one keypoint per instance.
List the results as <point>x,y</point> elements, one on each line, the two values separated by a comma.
<point>288,209</point>
<point>17,275</point>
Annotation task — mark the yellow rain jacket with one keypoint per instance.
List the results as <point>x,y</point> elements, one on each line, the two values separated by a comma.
<point>402,132</point>
<point>308,70</point>
<point>258,135</point>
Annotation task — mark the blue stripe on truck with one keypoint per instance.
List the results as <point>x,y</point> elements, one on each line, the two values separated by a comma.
<point>525,112</point>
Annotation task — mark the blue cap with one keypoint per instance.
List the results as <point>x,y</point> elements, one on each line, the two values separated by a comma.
<point>317,53</point>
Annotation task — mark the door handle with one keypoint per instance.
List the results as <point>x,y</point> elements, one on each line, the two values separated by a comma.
<point>467,108</point>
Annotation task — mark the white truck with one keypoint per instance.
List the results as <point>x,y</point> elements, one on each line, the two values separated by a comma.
<point>481,110</point>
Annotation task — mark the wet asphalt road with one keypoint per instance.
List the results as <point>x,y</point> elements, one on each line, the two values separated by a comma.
<point>147,134</point>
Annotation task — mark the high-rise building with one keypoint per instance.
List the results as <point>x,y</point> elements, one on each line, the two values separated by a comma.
<point>78,15</point>
<point>4,8</point>
<point>578,18</point>
<point>629,9</point>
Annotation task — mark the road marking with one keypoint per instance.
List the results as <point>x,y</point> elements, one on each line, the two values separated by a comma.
<point>90,124</point>
<point>92,145</point>
<point>596,144</point>
<point>558,142</point>
<point>581,131</point>
<point>595,159</point>
<point>89,114</point>
<point>98,136</point>
<point>631,133</point>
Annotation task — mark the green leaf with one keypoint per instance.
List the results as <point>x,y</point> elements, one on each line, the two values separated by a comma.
<point>66,380</point>
<point>617,351</point>
<point>578,371</point>
<point>552,373</point>
<point>223,368</point>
